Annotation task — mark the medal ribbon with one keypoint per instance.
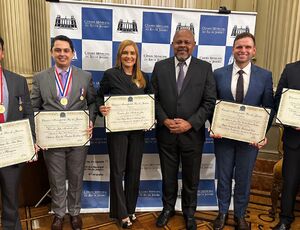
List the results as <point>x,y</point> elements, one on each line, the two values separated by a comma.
<point>1,85</point>
<point>63,89</point>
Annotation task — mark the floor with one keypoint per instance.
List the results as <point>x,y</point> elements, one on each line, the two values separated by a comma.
<point>257,216</point>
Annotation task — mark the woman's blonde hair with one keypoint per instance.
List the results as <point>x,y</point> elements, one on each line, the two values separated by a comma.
<point>137,76</point>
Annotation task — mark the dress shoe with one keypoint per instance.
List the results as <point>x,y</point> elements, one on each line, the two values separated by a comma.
<point>282,226</point>
<point>126,223</point>
<point>164,217</point>
<point>57,223</point>
<point>76,222</point>
<point>190,223</point>
<point>132,217</point>
<point>219,222</point>
<point>241,223</point>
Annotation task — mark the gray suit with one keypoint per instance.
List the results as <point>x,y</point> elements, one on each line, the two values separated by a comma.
<point>64,163</point>
<point>10,175</point>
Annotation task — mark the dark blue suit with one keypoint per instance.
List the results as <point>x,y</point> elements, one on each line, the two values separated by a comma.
<point>235,159</point>
<point>291,146</point>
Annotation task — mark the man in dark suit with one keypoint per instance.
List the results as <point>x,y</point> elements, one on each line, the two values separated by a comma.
<point>14,105</point>
<point>185,96</point>
<point>76,92</point>
<point>291,145</point>
<point>245,83</point>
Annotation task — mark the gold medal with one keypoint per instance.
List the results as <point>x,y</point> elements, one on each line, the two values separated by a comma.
<point>81,98</point>
<point>2,108</point>
<point>20,108</point>
<point>64,101</point>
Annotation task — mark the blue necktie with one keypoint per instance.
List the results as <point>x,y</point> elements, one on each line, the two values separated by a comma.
<point>180,78</point>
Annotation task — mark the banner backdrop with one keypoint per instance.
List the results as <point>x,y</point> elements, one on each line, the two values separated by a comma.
<point>96,31</point>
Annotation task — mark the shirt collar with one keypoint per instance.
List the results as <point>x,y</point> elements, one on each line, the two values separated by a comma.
<point>59,70</point>
<point>187,61</point>
<point>246,69</point>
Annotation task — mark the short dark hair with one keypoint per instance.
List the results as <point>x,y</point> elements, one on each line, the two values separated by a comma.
<point>62,38</point>
<point>1,42</point>
<point>244,35</point>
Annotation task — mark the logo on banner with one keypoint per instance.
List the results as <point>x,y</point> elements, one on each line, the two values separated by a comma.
<point>185,27</point>
<point>238,30</point>
<point>127,27</point>
<point>65,23</point>
<point>75,55</point>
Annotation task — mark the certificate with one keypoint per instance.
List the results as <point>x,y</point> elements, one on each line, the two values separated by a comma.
<point>61,128</point>
<point>289,108</point>
<point>130,113</point>
<point>240,122</point>
<point>16,144</point>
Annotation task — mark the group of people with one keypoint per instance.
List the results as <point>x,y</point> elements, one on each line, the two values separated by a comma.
<point>185,90</point>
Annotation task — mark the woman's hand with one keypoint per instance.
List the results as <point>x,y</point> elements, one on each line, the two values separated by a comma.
<point>104,110</point>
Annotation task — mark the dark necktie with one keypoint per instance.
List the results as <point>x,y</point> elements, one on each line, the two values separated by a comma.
<point>239,97</point>
<point>180,76</point>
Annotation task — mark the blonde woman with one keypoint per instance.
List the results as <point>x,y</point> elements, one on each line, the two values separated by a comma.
<point>125,148</point>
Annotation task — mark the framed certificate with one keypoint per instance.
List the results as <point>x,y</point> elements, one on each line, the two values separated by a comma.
<point>289,108</point>
<point>16,144</point>
<point>61,128</point>
<point>240,122</point>
<point>130,113</point>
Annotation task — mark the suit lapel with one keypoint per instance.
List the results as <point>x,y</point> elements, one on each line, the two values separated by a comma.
<point>172,75</point>
<point>75,91</point>
<point>228,75</point>
<point>11,93</point>
<point>252,85</point>
<point>51,82</point>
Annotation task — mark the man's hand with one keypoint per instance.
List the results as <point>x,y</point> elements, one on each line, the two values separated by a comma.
<point>90,129</point>
<point>178,125</point>
<point>214,135</point>
<point>35,157</point>
<point>261,144</point>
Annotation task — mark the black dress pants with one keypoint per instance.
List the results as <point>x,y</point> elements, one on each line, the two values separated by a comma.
<point>9,184</point>
<point>125,156</point>
<point>291,179</point>
<point>190,157</point>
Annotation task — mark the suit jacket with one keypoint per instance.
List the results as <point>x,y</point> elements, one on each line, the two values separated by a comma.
<point>44,92</point>
<point>195,102</point>
<point>114,82</point>
<point>260,91</point>
<point>18,93</point>
<point>289,79</point>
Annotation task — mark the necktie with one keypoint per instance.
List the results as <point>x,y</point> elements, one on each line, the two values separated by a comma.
<point>63,75</point>
<point>180,76</point>
<point>2,95</point>
<point>239,97</point>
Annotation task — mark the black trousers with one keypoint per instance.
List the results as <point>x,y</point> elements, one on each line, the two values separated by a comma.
<point>9,183</point>
<point>190,157</point>
<point>291,179</point>
<point>125,155</point>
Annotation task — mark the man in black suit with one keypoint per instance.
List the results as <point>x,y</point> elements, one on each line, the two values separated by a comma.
<point>291,146</point>
<point>14,105</point>
<point>185,95</point>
